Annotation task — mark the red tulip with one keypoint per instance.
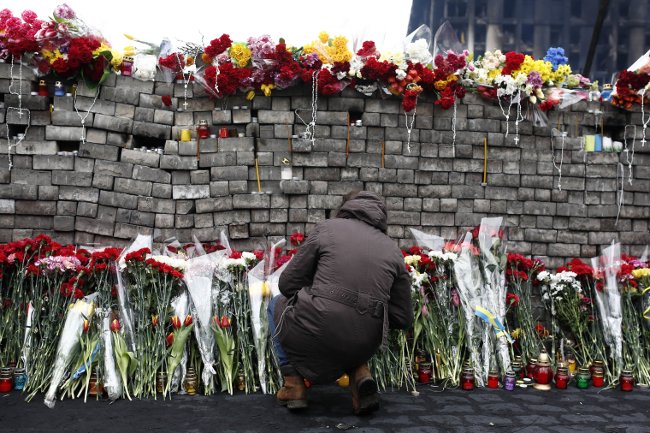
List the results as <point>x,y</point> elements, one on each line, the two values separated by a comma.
<point>224,322</point>
<point>115,325</point>
<point>154,320</point>
<point>86,326</point>
<point>170,339</point>
<point>176,322</point>
<point>188,320</point>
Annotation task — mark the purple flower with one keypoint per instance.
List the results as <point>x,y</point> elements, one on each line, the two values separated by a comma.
<point>311,59</point>
<point>534,79</point>
<point>262,47</point>
<point>425,310</point>
<point>64,12</point>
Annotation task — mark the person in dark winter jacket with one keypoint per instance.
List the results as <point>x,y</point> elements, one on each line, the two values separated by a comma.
<point>341,292</point>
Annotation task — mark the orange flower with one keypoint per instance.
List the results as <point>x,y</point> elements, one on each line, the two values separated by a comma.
<point>115,325</point>
<point>188,320</point>
<point>176,322</point>
<point>154,320</point>
<point>170,339</point>
<point>86,326</point>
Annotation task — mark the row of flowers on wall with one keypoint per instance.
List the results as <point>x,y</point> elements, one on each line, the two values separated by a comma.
<point>144,322</point>
<point>66,46</point>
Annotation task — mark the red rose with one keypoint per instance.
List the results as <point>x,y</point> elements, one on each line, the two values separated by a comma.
<point>297,238</point>
<point>167,101</point>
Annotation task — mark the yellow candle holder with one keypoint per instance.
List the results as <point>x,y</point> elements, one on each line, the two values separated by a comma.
<point>186,135</point>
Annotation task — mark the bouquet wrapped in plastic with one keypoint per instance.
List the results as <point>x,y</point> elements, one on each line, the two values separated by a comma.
<point>263,284</point>
<point>68,344</point>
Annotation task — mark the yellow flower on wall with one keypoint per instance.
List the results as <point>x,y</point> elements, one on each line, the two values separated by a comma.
<point>241,54</point>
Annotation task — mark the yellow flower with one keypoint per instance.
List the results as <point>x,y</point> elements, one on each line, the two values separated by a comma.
<point>128,36</point>
<point>323,37</point>
<point>494,73</point>
<point>561,74</point>
<point>515,333</point>
<point>338,51</point>
<point>116,61</point>
<point>266,88</point>
<point>129,51</point>
<point>250,95</point>
<point>641,272</point>
<point>241,54</point>
<point>54,56</point>
<point>440,85</point>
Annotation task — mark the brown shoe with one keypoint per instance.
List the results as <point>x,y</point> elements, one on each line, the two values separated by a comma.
<point>293,393</point>
<point>365,396</point>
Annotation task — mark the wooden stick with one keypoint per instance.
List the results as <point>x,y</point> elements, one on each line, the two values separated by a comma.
<point>257,174</point>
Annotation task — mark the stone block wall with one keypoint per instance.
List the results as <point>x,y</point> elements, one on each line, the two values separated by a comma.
<point>132,174</point>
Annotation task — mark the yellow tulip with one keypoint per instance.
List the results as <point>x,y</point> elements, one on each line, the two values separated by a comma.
<point>343,381</point>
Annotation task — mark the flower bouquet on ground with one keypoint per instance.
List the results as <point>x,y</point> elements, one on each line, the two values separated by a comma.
<point>81,311</point>
<point>524,326</point>
<point>198,279</point>
<point>469,284</point>
<point>230,298</point>
<point>262,286</point>
<point>608,300</point>
<point>59,287</point>
<point>176,353</point>
<point>635,294</point>
<point>124,357</point>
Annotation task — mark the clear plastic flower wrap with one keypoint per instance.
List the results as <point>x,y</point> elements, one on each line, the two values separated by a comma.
<point>446,39</point>
<point>469,284</point>
<point>416,46</point>
<point>607,266</point>
<point>177,359</point>
<point>426,240</point>
<point>263,284</point>
<point>27,341</point>
<point>112,381</point>
<point>68,344</point>
<point>493,264</point>
<point>124,303</point>
<point>198,279</point>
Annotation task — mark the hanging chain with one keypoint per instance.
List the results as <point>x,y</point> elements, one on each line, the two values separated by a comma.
<point>83,118</point>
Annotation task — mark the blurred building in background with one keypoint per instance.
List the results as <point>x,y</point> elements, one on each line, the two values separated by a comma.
<point>532,26</point>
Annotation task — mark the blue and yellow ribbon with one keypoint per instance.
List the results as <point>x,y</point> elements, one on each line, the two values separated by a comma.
<point>646,312</point>
<point>489,318</point>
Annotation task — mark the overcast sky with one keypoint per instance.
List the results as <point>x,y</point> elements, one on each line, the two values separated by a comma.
<point>297,21</point>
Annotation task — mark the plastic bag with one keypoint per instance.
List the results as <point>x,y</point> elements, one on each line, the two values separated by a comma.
<point>181,307</point>
<point>416,46</point>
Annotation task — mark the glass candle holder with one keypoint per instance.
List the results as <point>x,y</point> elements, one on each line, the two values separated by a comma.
<point>493,379</point>
<point>597,366</point>
<point>598,379</point>
<point>562,378</point>
<point>161,382</point>
<point>42,88</point>
<point>59,90</point>
<point>424,372</point>
<point>543,373</point>
<point>467,379</point>
<point>510,381</point>
<point>6,379</point>
<point>582,378</point>
<point>626,380</point>
<point>127,66</point>
<point>203,130</point>
<point>191,382</point>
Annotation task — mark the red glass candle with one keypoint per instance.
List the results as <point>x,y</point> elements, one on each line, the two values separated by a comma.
<point>6,379</point>
<point>127,66</point>
<point>424,372</point>
<point>493,379</point>
<point>597,380</point>
<point>626,380</point>
<point>223,132</point>
<point>203,130</point>
<point>42,88</point>
<point>467,379</point>
<point>562,378</point>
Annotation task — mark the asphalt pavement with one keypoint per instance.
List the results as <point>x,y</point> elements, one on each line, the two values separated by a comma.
<point>434,410</point>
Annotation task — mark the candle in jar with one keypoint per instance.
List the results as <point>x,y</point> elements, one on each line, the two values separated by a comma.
<point>562,378</point>
<point>510,381</point>
<point>626,380</point>
<point>493,379</point>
